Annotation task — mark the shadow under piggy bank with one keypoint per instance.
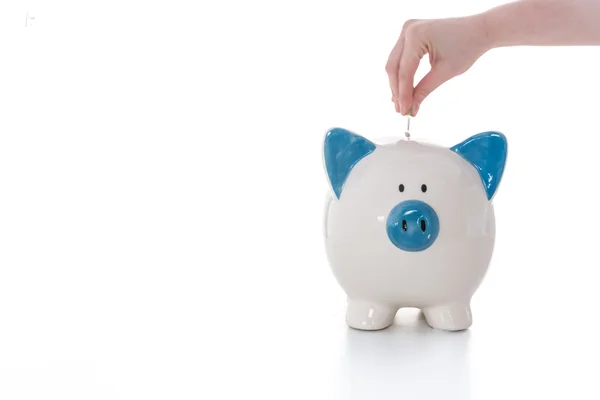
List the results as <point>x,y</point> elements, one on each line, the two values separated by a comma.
<point>409,360</point>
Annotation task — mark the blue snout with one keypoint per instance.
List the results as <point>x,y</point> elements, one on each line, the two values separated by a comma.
<point>413,225</point>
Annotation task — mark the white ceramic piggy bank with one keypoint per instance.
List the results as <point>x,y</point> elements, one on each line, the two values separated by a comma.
<point>410,224</point>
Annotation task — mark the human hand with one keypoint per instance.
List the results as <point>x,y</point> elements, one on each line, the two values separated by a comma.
<point>453,45</point>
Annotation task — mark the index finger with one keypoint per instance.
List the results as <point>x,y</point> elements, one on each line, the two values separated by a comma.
<point>407,68</point>
<point>391,68</point>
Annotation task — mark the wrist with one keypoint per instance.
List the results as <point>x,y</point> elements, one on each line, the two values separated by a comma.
<point>489,34</point>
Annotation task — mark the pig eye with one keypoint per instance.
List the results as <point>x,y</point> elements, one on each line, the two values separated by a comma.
<point>423,188</point>
<point>401,188</point>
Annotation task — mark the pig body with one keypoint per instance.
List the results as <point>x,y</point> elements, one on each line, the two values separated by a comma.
<point>409,224</point>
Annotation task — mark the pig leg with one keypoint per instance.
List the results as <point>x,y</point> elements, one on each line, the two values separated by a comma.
<point>449,317</point>
<point>369,316</point>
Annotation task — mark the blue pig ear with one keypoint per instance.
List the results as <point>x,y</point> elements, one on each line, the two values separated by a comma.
<point>342,150</point>
<point>486,152</point>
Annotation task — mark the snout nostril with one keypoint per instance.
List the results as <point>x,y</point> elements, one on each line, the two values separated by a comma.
<point>404,225</point>
<point>423,225</point>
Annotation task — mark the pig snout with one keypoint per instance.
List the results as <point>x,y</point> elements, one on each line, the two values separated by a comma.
<point>413,225</point>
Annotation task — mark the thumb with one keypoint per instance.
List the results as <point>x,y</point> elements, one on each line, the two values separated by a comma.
<point>430,82</point>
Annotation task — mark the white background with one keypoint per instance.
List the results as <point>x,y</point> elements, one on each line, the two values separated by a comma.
<point>161,196</point>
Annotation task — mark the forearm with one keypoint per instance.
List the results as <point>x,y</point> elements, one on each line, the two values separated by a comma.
<point>543,23</point>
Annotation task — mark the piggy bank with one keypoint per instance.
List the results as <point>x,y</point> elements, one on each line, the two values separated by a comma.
<point>409,224</point>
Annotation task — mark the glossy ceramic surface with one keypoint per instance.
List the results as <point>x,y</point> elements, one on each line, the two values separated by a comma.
<point>409,224</point>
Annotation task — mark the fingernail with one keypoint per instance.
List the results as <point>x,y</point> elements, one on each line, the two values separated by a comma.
<point>414,110</point>
<point>402,110</point>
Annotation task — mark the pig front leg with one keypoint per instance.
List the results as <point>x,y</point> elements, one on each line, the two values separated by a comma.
<point>449,317</point>
<point>369,316</point>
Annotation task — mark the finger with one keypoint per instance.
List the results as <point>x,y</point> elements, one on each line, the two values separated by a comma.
<point>391,68</point>
<point>409,62</point>
<point>430,82</point>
